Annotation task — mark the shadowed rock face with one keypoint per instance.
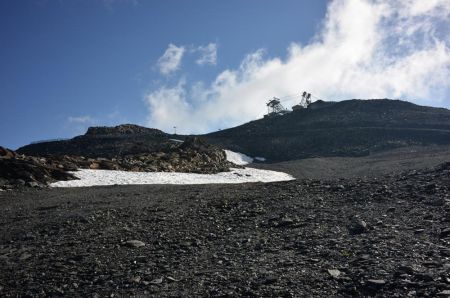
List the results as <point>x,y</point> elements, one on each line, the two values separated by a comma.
<point>107,142</point>
<point>6,153</point>
<point>196,143</point>
<point>193,156</point>
<point>19,170</point>
<point>131,148</point>
<point>347,128</point>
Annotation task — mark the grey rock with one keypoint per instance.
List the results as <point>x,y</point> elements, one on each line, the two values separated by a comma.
<point>269,279</point>
<point>134,243</point>
<point>424,276</point>
<point>334,272</point>
<point>20,182</point>
<point>285,221</point>
<point>32,184</point>
<point>135,279</point>
<point>157,281</point>
<point>376,283</point>
<point>445,252</point>
<point>445,293</point>
<point>406,269</point>
<point>445,232</point>
<point>436,202</point>
<point>357,226</point>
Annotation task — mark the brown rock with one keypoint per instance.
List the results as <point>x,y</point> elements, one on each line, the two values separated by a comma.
<point>6,153</point>
<point>94,166</point>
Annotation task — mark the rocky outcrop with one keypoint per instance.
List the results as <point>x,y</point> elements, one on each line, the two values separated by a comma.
<point>192,156</point>
<point>18,170</point>
<point>105,142</point>
<point>123,129</point>
<point>5,153</point>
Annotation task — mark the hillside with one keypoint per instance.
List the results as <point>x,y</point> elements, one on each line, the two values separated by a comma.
<point>125,147</point>
<point>104,142</point>
<point>347,128</point>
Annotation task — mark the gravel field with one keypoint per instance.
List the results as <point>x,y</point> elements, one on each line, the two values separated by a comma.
<point>377,164</point>
<point>385,236</point>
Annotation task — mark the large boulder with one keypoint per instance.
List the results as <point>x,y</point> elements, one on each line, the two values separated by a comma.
<point>196,144</point>
<point>5,153</point>
<point>19,170</point>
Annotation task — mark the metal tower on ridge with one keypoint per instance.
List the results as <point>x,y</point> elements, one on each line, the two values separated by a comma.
<point>304,102</point>
<point>274,107</point>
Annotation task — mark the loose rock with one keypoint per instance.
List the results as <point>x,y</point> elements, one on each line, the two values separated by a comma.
<point>134,243</point>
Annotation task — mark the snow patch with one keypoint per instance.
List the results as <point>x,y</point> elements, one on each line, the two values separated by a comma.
<point>110,177</point>
<point>260,159</point>
<point>238,158</point>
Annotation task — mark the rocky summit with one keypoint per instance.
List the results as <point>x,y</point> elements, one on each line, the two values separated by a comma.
<point>346,128</point>
<point>104,142</point>
<point>123,130</point>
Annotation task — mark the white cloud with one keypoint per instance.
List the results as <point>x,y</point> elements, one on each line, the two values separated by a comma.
<point>420,7</point>
<point>170,108</point>
<point>111,4</point>
<point>208,54</point>
<point>78,125</point>
<point>365,49</point>
<point>81,119</point>
<point>170,61</point>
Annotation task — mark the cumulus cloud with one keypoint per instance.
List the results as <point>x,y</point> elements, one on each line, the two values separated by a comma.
<point>170,61</point>
<point>169,107</point>
<point>365,49</point>
<point>208,54</point>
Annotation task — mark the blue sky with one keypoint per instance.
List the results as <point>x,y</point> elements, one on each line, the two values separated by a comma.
<point>204,65</point>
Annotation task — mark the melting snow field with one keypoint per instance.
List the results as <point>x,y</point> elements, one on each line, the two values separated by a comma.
<point>108,177</point>
<point>238,158</point>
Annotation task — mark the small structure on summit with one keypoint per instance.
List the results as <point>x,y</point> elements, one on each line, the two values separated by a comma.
<point>319,104</point>
<point>304,102</point>
<point>274,108</point>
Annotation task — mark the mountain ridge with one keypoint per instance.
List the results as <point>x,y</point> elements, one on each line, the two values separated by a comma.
<point>347,128</point>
